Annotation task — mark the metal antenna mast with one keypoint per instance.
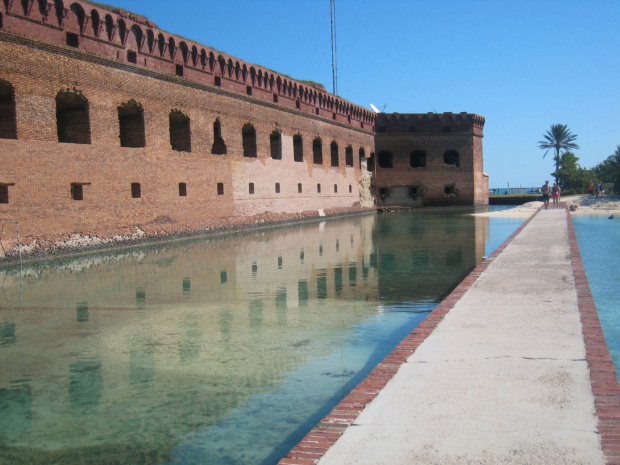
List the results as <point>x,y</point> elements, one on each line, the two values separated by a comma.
<point>332,13</point>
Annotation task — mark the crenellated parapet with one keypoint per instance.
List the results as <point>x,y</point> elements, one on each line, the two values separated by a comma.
<point>130,38</point>
<point>430,123</point>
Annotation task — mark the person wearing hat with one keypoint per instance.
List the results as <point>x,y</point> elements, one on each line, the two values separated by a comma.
<point>546,190</point>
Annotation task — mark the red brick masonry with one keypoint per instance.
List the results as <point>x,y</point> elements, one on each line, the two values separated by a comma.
<point>603,377</point>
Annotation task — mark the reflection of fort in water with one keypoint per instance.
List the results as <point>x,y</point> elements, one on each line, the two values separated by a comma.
<point>164,340</point>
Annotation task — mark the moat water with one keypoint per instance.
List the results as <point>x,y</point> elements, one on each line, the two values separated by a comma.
<point>216,351</point>
<point>599,244</point>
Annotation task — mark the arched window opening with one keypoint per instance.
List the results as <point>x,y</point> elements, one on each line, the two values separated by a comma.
<point>180,134</point>
<point>248,134</point>
<point>122,31</point>
<point>43,8</point>
<point>131,124</point>
<point>8,116</point>
<point>203,58</point>
<point>150,40</point>
<point>275,143</point>
<point>72,118</point>
<point>211,61</point>
<point>317,151</point>
<point>219,146</point>
<point>60,11</point>
<point>451,157</point>
<point>348,156</point>
<point>161,44</point>
<point>334,154</point>
<point>25,7</point>
<point>79,13</point>
<point>194,56</point>
<point>138,36</point>
<point>385,159</point>
<point>95,22</point>
<point>298,148</point>
<point>172,48</point>
<point>417,159</point>
<point>109,27</point>
<point>184,52</point>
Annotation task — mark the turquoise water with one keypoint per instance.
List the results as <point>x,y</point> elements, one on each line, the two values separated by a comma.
<point>599,244</point>
<point>216,351</point>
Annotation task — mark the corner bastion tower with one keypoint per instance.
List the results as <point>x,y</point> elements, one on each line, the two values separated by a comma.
<point>109,125</point>
<point>429,160</point>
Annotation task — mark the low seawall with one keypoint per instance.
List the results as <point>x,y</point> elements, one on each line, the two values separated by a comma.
<point>44,247</point>
<point>513,199</point>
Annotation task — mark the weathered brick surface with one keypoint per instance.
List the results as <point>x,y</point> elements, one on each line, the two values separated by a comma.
<point>40,170</point>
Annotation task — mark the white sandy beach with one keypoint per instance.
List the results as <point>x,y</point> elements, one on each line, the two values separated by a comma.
<point>584,205</point>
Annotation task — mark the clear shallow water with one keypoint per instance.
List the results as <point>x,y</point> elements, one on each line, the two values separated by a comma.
<point>599,244</point>
<point>216,351</point>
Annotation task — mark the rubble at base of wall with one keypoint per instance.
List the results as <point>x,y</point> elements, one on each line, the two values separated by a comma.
<point>42,246</point>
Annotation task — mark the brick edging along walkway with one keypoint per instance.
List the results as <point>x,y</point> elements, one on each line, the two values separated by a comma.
<point>314,445</point>
<point>603,378</point>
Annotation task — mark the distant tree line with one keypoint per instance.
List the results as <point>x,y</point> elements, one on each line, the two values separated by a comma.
<point>572,178</point>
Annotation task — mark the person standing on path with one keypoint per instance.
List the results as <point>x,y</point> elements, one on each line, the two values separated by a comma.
<point>555,193</point>
<point>546,190</point>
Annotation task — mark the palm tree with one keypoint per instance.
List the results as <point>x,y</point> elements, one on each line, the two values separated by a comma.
<point>567,160</point>
<point>558,138</point>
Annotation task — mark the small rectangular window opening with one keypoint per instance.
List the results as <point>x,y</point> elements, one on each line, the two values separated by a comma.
<point>179,70</point>
<point>318,188</point>
<point>350,189</point>
<point>277,188</point>
<point>218,81</point>
<point>132,57</point>
<point>182,189</point>
<point>77,191</point>
<point>275,98</point>
<point>251,187</point>
<point>299,188</point>
<point>220,188</point>
<point>136,190</point>
<point>248,90</point>
<point>73,40</point>
<point>297,105</point>
<point>335,188</point>
<point>4,193</point>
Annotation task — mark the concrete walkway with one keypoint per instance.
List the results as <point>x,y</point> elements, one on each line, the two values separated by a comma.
<point>497,374</point>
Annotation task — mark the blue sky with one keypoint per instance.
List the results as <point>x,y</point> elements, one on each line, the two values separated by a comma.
<point>522,65</point>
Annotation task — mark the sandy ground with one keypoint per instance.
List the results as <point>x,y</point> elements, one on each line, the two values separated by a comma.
<point>583,205</point>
